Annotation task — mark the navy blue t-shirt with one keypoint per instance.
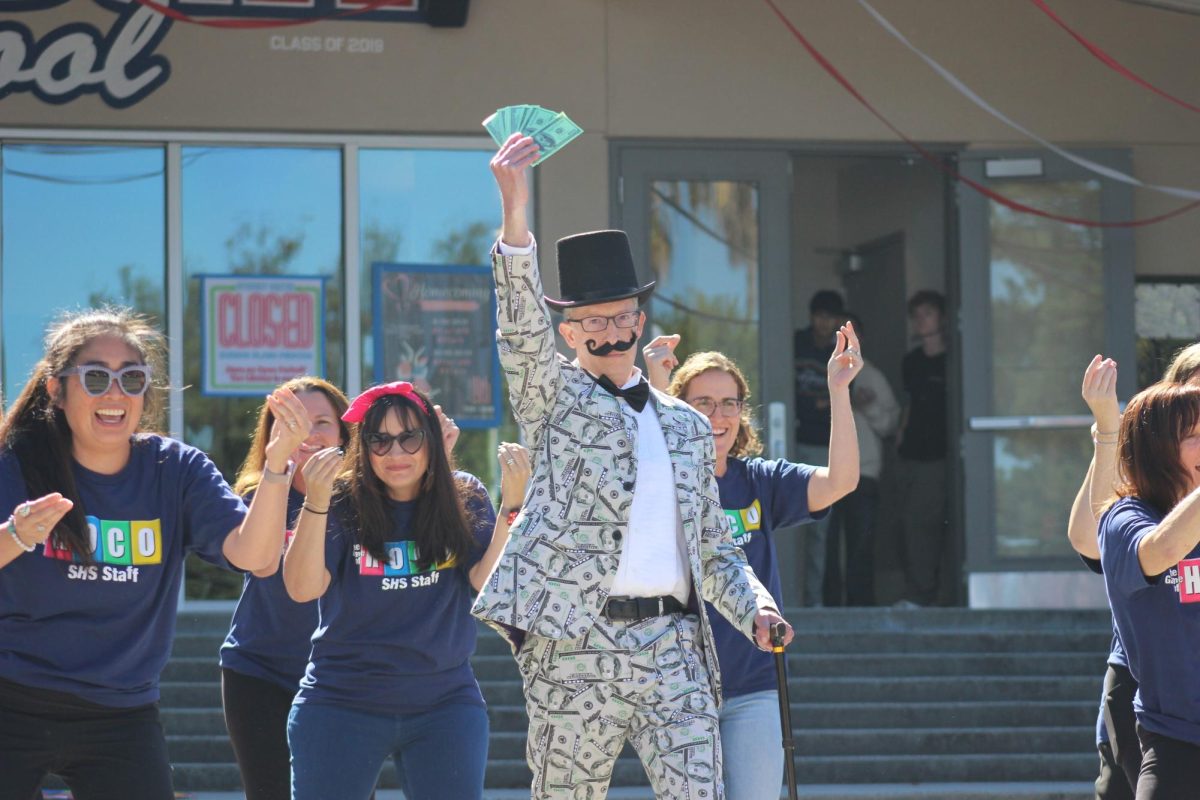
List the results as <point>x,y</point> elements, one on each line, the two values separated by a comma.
<point>270,636</point>
<point>758,496</point>
<point>1158,622</point>
<point>103,631</point>
<point>393,639</point>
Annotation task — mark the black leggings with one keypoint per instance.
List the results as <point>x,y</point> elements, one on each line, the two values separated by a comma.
<point>256,715</point>
<point>1170,767</point>
<point>102,753</point>
<point>1124,760</point>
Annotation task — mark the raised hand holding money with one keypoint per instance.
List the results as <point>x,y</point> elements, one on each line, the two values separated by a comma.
<point>550,129</point>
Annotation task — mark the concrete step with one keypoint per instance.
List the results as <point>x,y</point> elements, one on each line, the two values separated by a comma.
<point>192,668</point>
<point>988,713</point>
<point>925,689</point>
<point>883,665</point>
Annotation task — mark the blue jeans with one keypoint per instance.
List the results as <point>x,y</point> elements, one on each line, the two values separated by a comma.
<point>337,752</point>
<point>753,746</point>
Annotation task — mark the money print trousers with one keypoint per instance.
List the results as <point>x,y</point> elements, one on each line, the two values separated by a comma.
<point>646,682</point>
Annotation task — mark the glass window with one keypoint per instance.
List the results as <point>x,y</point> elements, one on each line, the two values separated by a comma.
<point>64,248</point>
<point>1047,296</point>
<point>253,211</point>
<point>1168,319</point>
<point>430,207</point>
<point>704,254</point>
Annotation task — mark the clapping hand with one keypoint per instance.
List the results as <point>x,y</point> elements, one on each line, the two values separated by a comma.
<point>450,431</point>
<point>661,360</point>
<point>1100,393</point>
<point>515,468</point>
<point>846,361</point>
<point>289,430</point>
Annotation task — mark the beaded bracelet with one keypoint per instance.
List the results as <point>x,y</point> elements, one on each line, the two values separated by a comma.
<point>12,531</point>
<point>512,516</point>
<point>1103,438</point>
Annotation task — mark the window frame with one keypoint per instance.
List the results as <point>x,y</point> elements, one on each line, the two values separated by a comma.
<point>173,143</point>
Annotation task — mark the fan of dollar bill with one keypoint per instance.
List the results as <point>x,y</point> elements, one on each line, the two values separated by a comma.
<point>550,129</point>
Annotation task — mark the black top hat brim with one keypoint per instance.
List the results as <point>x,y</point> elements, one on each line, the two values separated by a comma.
<point>641,294</point>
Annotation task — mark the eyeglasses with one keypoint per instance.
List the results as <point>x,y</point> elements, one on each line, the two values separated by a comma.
<point>730,406</point>
<point>96,380</point>
<point>626,319</point>
<point>409,441</point>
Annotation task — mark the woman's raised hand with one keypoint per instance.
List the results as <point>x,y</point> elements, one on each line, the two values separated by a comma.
<point>319,473</point>
<point>515,468</point>
<point>1100,393</point>
<point>846,361</point>
<point>290,428</point>
<point>450,431</point>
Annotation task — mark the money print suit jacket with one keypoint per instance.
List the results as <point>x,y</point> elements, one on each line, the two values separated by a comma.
<point>564,548</point>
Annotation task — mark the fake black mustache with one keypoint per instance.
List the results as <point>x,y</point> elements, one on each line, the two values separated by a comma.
<point>605,349</point>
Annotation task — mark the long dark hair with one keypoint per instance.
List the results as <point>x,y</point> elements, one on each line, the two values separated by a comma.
<point>36,429</point>
<point>1156,420</point>
<point>250,473</point>
<point>440,526</point>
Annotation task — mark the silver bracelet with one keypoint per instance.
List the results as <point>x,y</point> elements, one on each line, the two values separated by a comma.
<point>12,531</point>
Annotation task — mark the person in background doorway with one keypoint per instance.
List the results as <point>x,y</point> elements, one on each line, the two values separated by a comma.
<point>811,350</point>
<point>855,516</point>
<point>921,444</point>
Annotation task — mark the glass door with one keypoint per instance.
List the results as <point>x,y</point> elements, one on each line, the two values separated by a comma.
<point>711,226</point>
<point>1038,298</point>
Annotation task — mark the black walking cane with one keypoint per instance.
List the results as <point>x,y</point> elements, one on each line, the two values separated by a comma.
<point>778,630</point>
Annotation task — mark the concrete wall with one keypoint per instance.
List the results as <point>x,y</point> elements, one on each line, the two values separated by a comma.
<point>694,69</point>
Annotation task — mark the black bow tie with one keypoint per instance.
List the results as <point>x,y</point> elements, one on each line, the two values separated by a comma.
<point>636,395</point>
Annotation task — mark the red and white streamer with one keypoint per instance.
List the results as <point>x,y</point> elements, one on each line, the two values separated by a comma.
<point>967,92</point>
<point>1008,202</point>
<point>1111,62</point>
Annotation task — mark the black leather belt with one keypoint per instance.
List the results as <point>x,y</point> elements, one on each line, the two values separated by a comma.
<point>636,608</point>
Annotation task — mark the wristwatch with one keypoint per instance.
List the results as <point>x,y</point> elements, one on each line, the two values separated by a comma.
<point>278,477</point>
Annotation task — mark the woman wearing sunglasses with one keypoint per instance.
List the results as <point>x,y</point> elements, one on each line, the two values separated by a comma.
<point>758,496</point>
<point>100,515</point>
<point>395,547</point>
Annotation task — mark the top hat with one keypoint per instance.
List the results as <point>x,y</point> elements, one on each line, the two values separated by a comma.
<point>596,267</point>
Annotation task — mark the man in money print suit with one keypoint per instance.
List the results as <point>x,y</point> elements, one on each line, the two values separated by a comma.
<point>621,533</point>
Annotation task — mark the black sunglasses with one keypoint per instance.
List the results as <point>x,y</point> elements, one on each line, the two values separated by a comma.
<point>96,380</point>
<point>381,443</point>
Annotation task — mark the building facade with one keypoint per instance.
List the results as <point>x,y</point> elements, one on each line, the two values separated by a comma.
<point>145,154</point>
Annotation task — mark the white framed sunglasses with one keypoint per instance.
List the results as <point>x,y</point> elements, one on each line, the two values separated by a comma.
<point>133,380</point>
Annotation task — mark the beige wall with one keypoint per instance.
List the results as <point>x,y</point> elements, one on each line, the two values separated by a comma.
<point>694,69</point>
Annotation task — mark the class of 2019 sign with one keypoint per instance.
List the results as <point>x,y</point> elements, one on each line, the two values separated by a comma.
<point>435,326</point>
<point>120,63</point>
<point>259,331</point>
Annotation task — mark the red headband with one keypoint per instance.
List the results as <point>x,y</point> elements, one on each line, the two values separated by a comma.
<point>357,411</point>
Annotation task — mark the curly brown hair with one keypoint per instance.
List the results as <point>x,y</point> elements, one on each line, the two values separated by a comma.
<point>747,442</point>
